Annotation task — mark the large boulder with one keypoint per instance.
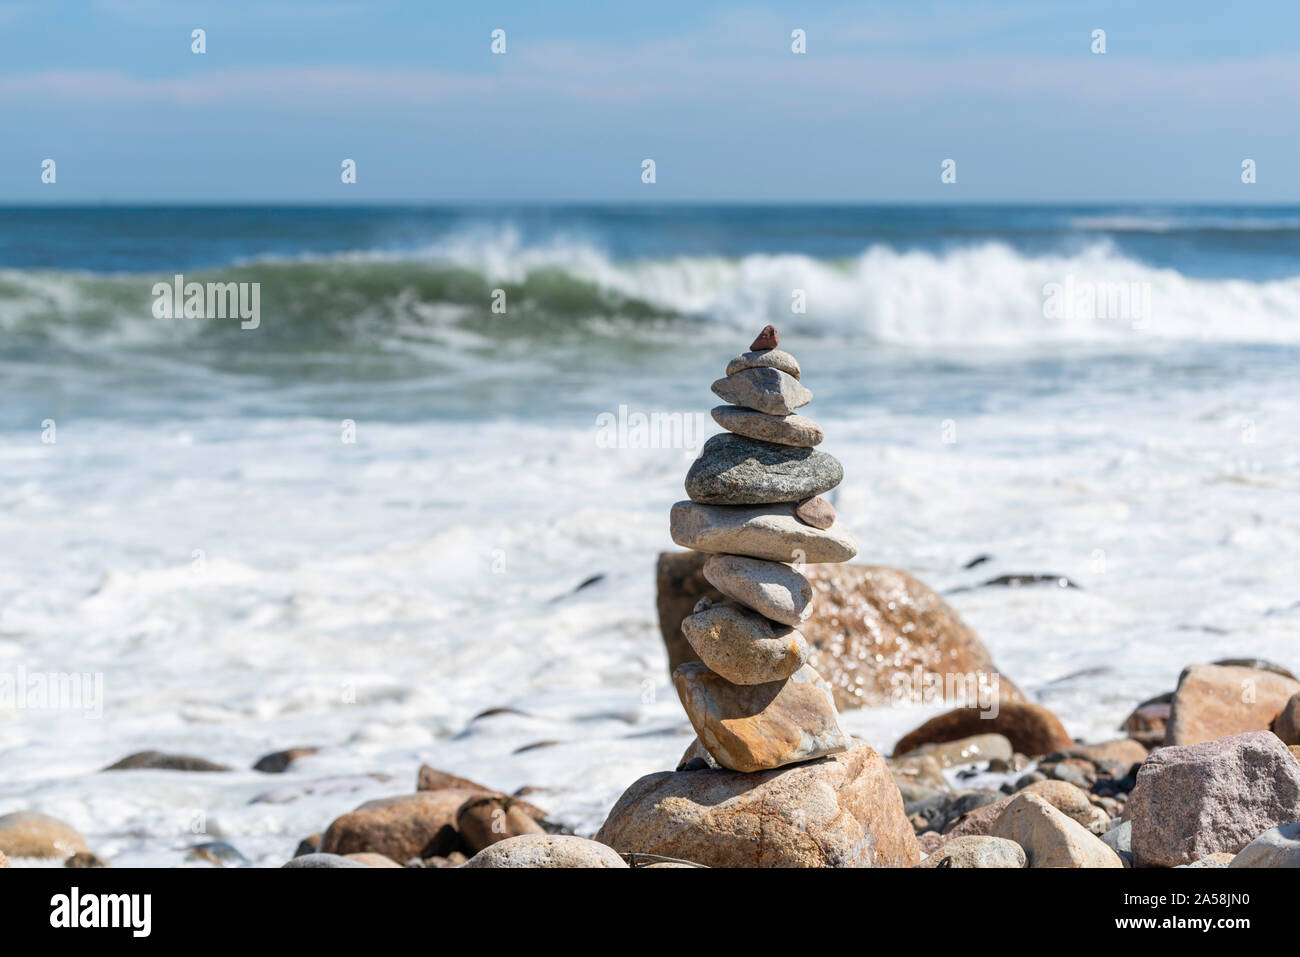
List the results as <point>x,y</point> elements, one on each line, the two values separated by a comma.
<point>1051,839</point>
<point>1214,701</point>
<point>871,628</point>
<point>1212,797</point>
<point>422,824</point>
<point>842,811</point>
<point>546,850</point>
<point>33,834</point>
<point>1030,728</point>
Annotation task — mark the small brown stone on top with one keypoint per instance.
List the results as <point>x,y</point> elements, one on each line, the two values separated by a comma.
<point>767,339</point>
<point>815,511</point>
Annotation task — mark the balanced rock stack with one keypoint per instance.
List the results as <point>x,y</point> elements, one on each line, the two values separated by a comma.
<point>754,506</point>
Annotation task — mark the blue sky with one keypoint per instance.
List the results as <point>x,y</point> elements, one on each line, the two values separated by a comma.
<point>586,91</point>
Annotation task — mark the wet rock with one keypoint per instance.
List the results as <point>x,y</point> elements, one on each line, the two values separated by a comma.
<point>278,762</point>
<point>33,834</point>
<point>977,851</point>
<point>1049,838</point>
<point>1030,728</point>
<point>844,811</point>
<point>159,761</point>
<point>871,628</point>
<point>1211,797</point>
<point>546,850</point>
<point>1214,701</point>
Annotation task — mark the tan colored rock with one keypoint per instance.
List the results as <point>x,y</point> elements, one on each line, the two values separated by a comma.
<point>372,860</point>
<point>431,779</point>
<point>763,390</point>
<point>489,818</point>
<point>859,612</point>
<point>409,825</point>
<point>918,771</point>
<point>755,727</point>
<point>1149,721</point>
<point>1065,797</point>
<point>1287,724</point>
<point>1121,751</point>
<point>772,532</point>
<point>773,589</point>
<point>277,762</point>
<point>546,850</point>
<point>793,429</point>
<point>844,811</point>
<point>1275,848</point>
<point>815,511</point>
<point>33,834</point>
<point>978,747</point>
<point>977,850</point>
<point>1030,728</point>
<point>1051,839</point>
<point>1214,701</point>
<point>743,646</point>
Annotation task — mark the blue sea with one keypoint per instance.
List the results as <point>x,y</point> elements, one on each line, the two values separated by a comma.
<point>363,522</point>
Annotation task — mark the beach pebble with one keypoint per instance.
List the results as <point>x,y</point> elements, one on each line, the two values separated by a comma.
<point>793,429</point>
<point>815,511</point>
<point>772,533</point>
<point>765,359</point>
<point>763,390</point>
<point>546,850</point>
<point>33,834</point>
<point>977,747</point>
<point>1031,728</point>
<point>1277,847</point>
<point>978,851</point>
<point>431,779</point>
<point>734,470</point>
<point>1211,702</point>
<point>308,845</point>
<point>313,861</point>
<point>1066,798</point>
<point>773,589</point>
<point>744,647</point>
<point>844,811</point>
<point>755,727</point>
<point>402,827</point>
<point>85,859</point>
<point>1211,797</point>
<point>160,761</point>
<point>767,339</point>
<point>918,773</point>
<point>490,818</point>
<point>1050,838</point>
<point>219,853</point>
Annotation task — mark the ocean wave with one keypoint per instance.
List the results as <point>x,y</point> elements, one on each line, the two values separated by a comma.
<point>985,295</point>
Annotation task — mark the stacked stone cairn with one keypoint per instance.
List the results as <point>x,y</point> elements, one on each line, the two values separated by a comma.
<point>755,508</point>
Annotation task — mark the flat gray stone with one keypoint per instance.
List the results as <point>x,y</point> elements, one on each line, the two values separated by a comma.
<point>734,470</point>
<point>771,532</point>
<point>773,589</point>
<point>743,646</point>
<point>764,390</point>
<point>323,860</point>
<point>790,429</point>
<point>765,359</point>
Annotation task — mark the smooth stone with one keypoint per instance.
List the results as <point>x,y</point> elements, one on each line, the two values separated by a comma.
<point>767,339</point>
<point>919,773</point>
<point>160,761</point>
<point>816,512</point>
<point>372,860</point>
<point>978,850</point>
<point>278,761</point>
<point>489,818</point>
<point>763,390</point>
<point>773,589</point>
<point>431,779</point>
<point>1069,800</point>
<point>546,850</point>
<point>86,859</point>
<point>33,834</point>
<point>952,754</point>
<point>1214,701</point>
<point>765,359</point>
<point>409,825</point>
<point>844,811</point>
<point>1277,847</point>
<point>1120,751</point>
<point>743,646</point>
<point>757,727</point>
<point>771,532</point>
<point>1287,724</point>
<point>1051,839</point>
<point>1213,797</point>
<point>1031,728</point>
<point>734,470</point>
<point>796,430</point>
<point>313,861</point>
